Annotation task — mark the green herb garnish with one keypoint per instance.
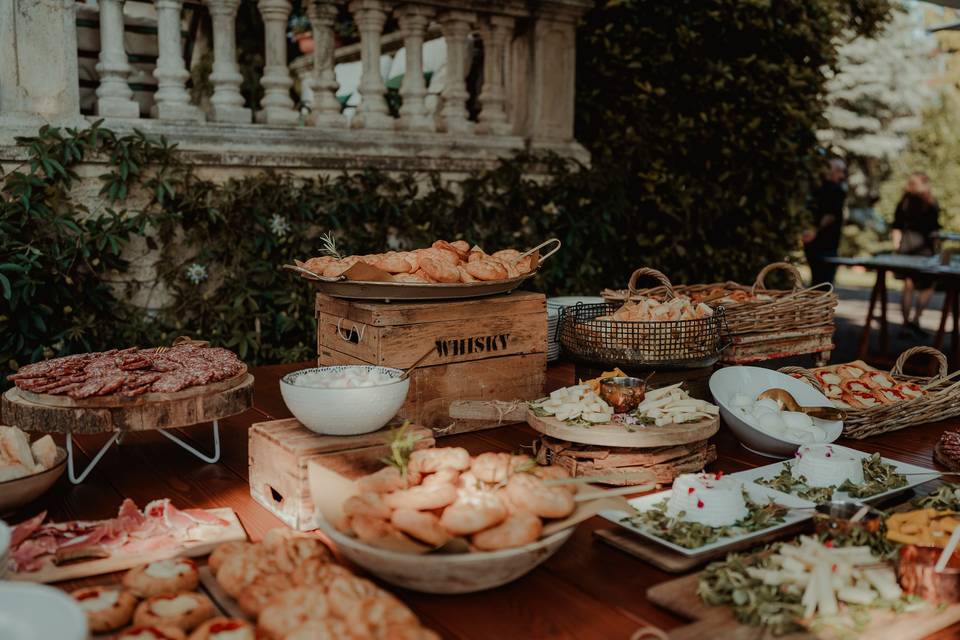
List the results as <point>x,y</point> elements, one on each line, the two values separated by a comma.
<point>946,498</point>
<point>402,443</point>
<point>328,245</point>
<point>691,535</point>
<point>878,477</point>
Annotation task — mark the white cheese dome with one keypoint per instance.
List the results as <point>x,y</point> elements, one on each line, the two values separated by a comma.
<point>824,465</point>
<point>708,499</point>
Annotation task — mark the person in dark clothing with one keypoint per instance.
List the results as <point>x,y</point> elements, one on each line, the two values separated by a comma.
<point>827,207</point>
<point>915,225</point>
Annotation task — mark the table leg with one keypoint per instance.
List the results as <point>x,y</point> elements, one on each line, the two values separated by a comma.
<point>865,335</point>
<point>216,444</point>
<point>71,471</point>
<point>945,311</point>
<point>884,336</point>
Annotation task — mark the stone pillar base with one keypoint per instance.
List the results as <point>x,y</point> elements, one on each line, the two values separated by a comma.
<point>372,120</point>
<point>186,112</point>
<point>455,124</point>
<point>278,115</point>
<point>495,128</point>
<point>327,119</point>
<point>415,123</point>
<point>117,108</point>
<point>230,113</point>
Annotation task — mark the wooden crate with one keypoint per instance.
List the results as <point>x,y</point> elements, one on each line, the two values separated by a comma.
<point>280,451</point>
<point>484,349</point>
<point>751,348</point>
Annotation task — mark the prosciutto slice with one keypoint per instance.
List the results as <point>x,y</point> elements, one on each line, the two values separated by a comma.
<point>160,524</point>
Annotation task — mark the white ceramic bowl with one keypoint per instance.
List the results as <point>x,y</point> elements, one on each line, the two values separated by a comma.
<point>344,412</point>
<point>447,573</point>
<point>35,611</point>
<point>21,491</point>
<point>753,381</point>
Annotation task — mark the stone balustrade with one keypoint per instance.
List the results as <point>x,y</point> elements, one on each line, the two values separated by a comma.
<point>525,98</point>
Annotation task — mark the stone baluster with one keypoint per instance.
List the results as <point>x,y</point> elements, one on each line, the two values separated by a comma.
<point>172,99</point>
<point>496,32</point>
<point>372,112</point>
<point>276,80</point>
<point>226,105</point>
<point>413,21</point>
<point>114,96</point>
<point>326,111</point>
<point>452,115</point>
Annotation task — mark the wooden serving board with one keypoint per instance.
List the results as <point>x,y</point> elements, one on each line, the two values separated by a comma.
<point>181,409</point>
<point>116,400</point>
<point>211,538</point>
<point>616,435</point>
<point>672,562</point>
<point>680,597</point>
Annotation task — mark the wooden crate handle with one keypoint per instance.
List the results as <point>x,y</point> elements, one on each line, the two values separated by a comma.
<point>358,331</point>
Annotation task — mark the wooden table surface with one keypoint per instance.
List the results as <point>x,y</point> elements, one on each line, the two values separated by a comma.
<point>587,590</point>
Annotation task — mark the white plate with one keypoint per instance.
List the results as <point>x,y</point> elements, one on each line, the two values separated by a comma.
<point>758,493</point>
<point>570,301</point>
<point>38,612</point>
<point>772,470</point>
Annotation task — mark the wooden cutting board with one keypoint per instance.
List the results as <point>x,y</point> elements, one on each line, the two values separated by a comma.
<point>617,435</point>
<point>203,545</point>
<point>718,623</point>
<point>165,411</point>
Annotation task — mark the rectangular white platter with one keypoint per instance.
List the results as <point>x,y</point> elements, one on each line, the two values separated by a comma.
<point>800,510</point>
<point>750,476</point>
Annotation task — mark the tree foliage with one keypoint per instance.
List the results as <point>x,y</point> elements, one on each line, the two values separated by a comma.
<point>707,110</point>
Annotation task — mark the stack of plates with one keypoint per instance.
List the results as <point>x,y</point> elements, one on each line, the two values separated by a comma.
<point>553,315</point>
<point>4,549</point>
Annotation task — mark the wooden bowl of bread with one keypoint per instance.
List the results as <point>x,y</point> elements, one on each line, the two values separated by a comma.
<point>27,470</point>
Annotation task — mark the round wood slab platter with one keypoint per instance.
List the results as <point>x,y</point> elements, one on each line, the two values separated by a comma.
<point>616,435</point>
<point>116,400</point>
<point>181,409</point>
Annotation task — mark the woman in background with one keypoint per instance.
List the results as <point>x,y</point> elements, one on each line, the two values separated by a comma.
<point>915,225</point>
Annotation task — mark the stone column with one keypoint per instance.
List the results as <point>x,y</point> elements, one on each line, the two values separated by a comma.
<point>325,108</point>
<point>276,80</point>
<point>413,21</point>
<point>372,112</point>
<point>226,103</point>
<point>551,77</point>
<point>114,96</point>
<point>172,99</point>
<point>452,115</point>
<point>38,65</point>
<point>496,32</point>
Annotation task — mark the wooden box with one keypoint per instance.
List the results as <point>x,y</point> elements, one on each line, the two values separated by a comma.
<point>280,451</point>
<point>491,348</point>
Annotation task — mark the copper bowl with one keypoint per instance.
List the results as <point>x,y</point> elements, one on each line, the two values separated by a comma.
<point>833,518</point>
<point>915,570</point>
<point>622,393</point>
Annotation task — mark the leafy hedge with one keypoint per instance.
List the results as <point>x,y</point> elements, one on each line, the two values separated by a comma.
<point>700,115</point>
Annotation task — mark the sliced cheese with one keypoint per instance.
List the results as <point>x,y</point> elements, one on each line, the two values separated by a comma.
<point>99,602</point>
<point>172,607</point>
<point>167,568</point>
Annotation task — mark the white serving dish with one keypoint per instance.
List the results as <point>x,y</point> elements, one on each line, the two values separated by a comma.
<point>447,573</point>
<point>800,510</point>
<point>4,549</point>
<point>21,491</point>
<point>37,612</point>
<point>749,476</point>
<point>753,381</point>
<point>344,412</point>
<point>570,301</point>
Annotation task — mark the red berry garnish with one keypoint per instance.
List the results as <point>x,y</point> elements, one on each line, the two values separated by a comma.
<point>828,544</point>
<point>699,504</point>
<point>690,490</point>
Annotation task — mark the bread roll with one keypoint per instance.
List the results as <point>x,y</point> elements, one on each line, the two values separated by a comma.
<point>44,452</point>
<point>15,447</point>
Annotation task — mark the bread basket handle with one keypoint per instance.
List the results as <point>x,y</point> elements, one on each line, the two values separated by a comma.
<point>652,273</point>
<point>773,266</point>
<point>805,373</point>
<point>912,351</point>
<point>543,244</point>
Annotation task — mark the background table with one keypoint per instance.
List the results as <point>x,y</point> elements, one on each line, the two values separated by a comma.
<point>587,590</point>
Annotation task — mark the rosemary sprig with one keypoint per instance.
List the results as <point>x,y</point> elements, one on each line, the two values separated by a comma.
<point>328,245</point>
<point>402,443</point>
<point>946,498</point>
<point>878,477</point>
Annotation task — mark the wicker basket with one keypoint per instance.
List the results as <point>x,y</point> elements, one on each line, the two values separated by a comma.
<point>784,311</point>
<point>941,401</point>
<point>663,344</point>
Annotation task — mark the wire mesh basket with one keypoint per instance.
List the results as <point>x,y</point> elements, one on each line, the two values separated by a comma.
<point>661,344</point>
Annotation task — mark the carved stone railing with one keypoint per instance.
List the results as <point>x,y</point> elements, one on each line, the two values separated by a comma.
<point>525,98</point>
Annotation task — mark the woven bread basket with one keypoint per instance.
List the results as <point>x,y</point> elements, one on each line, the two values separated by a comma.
<point>941,401</point>
<point>779,310</point>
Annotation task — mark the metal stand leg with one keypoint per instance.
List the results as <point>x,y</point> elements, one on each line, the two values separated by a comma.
<point>216,444</point>
<point>74,478</point>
